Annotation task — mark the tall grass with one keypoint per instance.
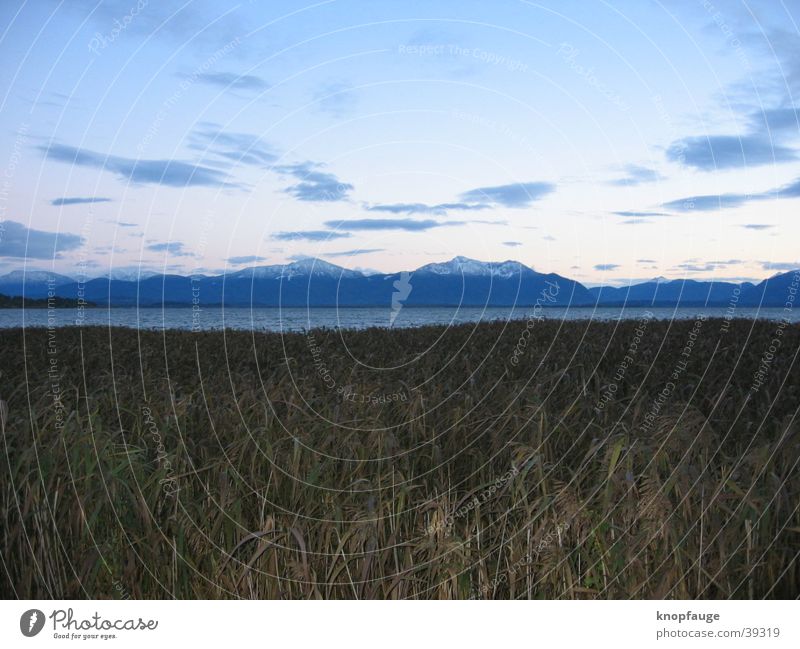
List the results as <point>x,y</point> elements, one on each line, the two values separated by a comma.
<point>229,464</point>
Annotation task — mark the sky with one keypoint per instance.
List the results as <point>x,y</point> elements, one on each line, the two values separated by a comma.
<point>633,140</point>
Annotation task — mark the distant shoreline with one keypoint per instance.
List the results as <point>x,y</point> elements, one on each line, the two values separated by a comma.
<point>55,302</point>
<point>36,303</point>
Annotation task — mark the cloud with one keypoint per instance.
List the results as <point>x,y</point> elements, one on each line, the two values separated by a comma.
<point>693,267</point>
<point>77,200</point>
<point>636,222</point>
<point>646,261</point>
<point>174,248</point>
<point>202,28</point>
<point>707,203</point>
<point>423,208</point>
<point>310,235</point>
<point>512,244</point>
<point>314,185</point>
<point>728,151</point>
<point>172,173</point>
<point>722,201</point>
<point>352,253</point>
<point>336,99</point>
<point>640,214</point>
<point>240,148</point>
<point>780,265</point>
<point>776,119</point>
<point>299,257</point>
<point>606,266</point>
<point>636,175</point>
<point>757,226</point>
<point>515,195</point>
<point>18,240</point>
<point>245,259</point>
<point>409,225</point>
<point>232,81</point>
<point>792,190</point>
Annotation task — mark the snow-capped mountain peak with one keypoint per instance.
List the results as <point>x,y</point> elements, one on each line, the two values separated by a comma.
<point>466,266</point>
<point>130,274</point>
<point>301,268</point>
<point>33,276</point>
<point>317,267</point>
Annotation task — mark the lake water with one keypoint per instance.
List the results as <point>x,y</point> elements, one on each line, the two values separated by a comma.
<point>298,319</point>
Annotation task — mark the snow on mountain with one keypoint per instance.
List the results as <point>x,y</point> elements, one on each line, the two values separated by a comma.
<point>130,274</point>
<point>465,266</point>
<point>33,276</point>
<point>301,268</point>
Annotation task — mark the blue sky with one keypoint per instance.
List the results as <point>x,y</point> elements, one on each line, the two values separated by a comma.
<point>634,140</point>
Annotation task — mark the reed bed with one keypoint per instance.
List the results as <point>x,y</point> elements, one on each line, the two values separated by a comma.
<point>605,461</point>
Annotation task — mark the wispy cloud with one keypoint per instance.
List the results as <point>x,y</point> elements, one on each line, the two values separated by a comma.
<point>336,99</point>
<point>780,266</point>
<point>240,148</point>
<point>634,214</point>
<point>18,240</point>
<point>728,151</point>
<point>636,175</point>
<point>438,209</point>
<point>692,266</point>
<point>310,235</point>
<point>409,225</point>
<point>232,81</point>
<point>245,259</point>
<point>604,267</point>
<point>707,203</point>
<point>172,173</point>
<point>77,200</point>
<point>757,226</point>
<point>512,244</point>
<point>722,201</point>
<point>776,119</point>
<point>174,248</point>
<point>353,253</point>
<point>792,190</point>
<point>514,195</point>
<point>314,185</point>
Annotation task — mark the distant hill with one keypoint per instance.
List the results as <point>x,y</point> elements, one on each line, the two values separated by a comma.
<point>19,302</point>
<point>36,281</point>
<point>677,292</point>
<point>460,281</point>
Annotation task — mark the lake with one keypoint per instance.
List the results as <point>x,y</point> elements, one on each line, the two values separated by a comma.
<point>298,319</point>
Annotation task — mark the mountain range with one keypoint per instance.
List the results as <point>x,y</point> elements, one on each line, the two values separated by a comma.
<point>460,281</point>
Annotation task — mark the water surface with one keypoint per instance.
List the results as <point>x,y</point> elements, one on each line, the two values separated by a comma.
<point>298,319</point>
